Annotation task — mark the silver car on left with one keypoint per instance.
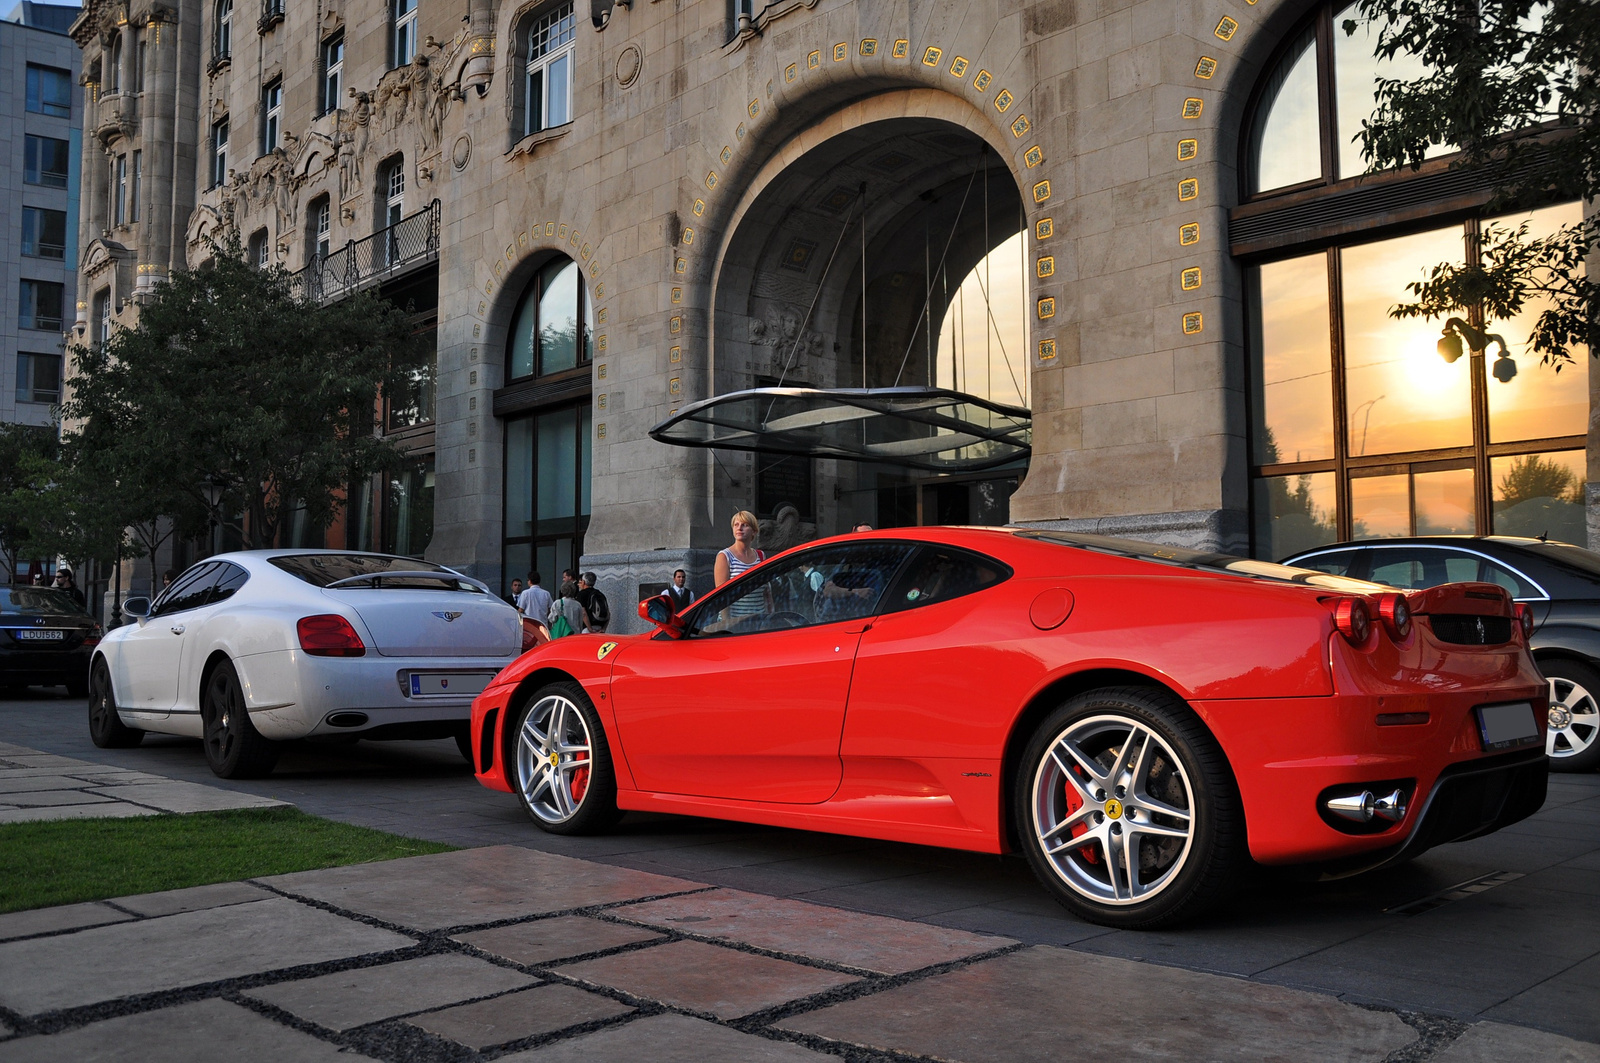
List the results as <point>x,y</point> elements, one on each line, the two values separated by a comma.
<point>248,650</point>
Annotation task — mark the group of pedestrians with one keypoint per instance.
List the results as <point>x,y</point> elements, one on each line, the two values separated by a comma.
<point>578,606</point>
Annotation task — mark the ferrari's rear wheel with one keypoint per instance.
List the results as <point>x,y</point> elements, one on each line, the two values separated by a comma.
<point>234,748</point>
<point>1573,740</point>
<point>564,774</point>
<point>106,728</point>
<point>1127,809</point>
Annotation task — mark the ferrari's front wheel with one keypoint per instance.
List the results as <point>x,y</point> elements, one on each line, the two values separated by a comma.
<point>1127,809</point>
<point>564,774</point>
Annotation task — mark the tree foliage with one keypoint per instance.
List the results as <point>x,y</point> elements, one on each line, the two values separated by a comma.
<point>1533,477</point>
<point>1515,84</point>
<point>232,380</point>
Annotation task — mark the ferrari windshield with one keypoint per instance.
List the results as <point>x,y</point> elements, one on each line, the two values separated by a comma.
<point>1204,561</point>
<point>321,570</point>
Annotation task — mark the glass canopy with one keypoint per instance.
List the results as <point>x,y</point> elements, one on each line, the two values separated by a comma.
<point>932,429</point>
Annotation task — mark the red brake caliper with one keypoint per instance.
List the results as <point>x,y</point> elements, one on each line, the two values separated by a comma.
<point>580,778</point>
<point>1074,802</point>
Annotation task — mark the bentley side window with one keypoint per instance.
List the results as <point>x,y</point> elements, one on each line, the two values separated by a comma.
<point>230,579</point>
<point>188,591</point>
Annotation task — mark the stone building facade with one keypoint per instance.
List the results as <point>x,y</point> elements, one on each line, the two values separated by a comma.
<point>645,205</point>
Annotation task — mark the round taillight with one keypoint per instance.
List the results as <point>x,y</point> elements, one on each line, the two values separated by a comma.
<point>1396,615</point>
<point>1524,615</point>
<point>329,635</point>
<point>1353,620</point>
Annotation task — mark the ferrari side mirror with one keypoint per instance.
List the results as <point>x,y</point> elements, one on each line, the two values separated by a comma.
<point>659,612</point>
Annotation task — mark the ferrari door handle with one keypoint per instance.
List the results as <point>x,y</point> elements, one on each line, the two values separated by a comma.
<point>177,629</point>
<point>859,629</point>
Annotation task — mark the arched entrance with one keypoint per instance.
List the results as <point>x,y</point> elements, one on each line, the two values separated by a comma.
<point>887,255</point>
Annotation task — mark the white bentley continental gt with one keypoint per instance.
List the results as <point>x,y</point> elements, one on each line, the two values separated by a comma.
<point>247,650</point>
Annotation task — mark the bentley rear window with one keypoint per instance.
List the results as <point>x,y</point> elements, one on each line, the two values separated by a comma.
<point>321,570</point>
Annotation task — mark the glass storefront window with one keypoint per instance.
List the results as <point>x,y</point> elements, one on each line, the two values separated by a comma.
<point>1380,506</point>
<point>1540,494</point>
<point>1294,513</point>
<point>558,450</point>
<point>1293,383</point>
<point>1443,502</point>
<point>550,331</point>
<point>408,510</point>
<point>1287,146</point>
<point>1400,395</point>
<point>1356,73</point>
<point>547,492</point>
<point>519,477</point>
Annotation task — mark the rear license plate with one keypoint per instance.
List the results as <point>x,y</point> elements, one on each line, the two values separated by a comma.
<point>40,636</point>
<point>1507,726</point>
<point>448,684</point>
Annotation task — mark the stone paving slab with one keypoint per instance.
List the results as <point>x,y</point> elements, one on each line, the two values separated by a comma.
<point>348,999</point>
<point>192,899</point>
<point>63,917</point>
<point>852,939</point>
<point>543,1009</point>
<point>46,760</point>
<point>99,810</point>
<point>1045,1003</point>
<point>1565,1003</point>
<point>201,1032</point>
<point>11,784</point>
<point>670,1039</point>
<point>172,795</point>
<point>474,886</point>
<point>544,940</point>
<point>1494,1042</point>
<point>43,974</point>
<point>707,978</point>
<point>58,798</point>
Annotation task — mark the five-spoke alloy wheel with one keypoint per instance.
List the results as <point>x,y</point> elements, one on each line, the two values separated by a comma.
<point>1573,740</point>
<point>234,748</point>
<point>564,773</point>
<point>1127,810</point>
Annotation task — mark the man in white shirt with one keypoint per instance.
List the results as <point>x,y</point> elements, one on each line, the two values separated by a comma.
<point>535,601</point>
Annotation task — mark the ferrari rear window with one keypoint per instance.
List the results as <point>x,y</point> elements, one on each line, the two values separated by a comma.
<point>320,570</point>
<point>1201,561</point>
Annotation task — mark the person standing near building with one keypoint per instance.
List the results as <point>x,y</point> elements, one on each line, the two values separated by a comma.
<point>566,615</point>
<point>743,553</point>
<point>595,606</point>
<point>64,583</point>
<point>679,593</point>
<point>516,590</point>
<point>534,602</point>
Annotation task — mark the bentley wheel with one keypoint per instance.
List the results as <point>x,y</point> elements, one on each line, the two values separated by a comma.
<point>106,728</point>
<point>564,774</point>
<point>1127,809</point>
<point>1573,740</point>
<point>234,748</point>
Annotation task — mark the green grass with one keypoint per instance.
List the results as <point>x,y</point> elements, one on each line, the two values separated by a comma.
<point>66,861</point>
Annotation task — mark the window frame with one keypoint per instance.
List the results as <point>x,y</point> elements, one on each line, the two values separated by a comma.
<point>535,292</point>
<point>34,161</point>
<point>119,189</point>
<point>332,81</point>
<point>222,32</point>
<point>33,225</point>
<point>403,20</point>
<point>27,378</point>
<point>28,309</point>
<point>560,21</point>
<point>219,152</point>
<point>135,179</point>
<point>271,115</point>
<point>38,77</point>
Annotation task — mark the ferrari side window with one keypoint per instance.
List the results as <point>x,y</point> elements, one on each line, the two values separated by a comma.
<point>815,587</point>
<point>189,590</point>
<point>938,574</point>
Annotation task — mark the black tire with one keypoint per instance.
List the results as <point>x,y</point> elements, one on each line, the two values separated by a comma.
<point>1172,794</point>
<point>234,748</point>
<point>560,763</point>
<point>106,729</point>
<point>464,744</point>
<point>1573,741</point>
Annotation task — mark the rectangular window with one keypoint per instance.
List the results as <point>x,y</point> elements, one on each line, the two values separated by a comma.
<point>119,190</point>
<point>332,72</point>
<point>45,161</point>
<point>49,91</point>
<point>258,250</point>
<point>323,218</point>
<point>219,153</point>
<point>547,87</point>
<point>402,32</point>
<point>40,306</point>
<point>44,232</point>
<point>139,56</point>
<point>408,510</point>
<point>102,316</point>
<point>271,115</point>
<point>133,196</point>
<point>38,378</point>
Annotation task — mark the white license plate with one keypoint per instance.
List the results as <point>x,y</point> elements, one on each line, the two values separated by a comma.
<point>448,684</point>
<point>1507,726</point>
<point>36,635</point>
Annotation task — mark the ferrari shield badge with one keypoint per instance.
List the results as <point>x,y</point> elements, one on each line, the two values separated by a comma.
<point>605,648</point>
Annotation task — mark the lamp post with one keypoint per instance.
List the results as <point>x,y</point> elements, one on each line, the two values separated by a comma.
<point>213,495</point>
<point>1457,333</point>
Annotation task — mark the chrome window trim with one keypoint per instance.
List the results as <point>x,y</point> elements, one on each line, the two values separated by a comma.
<point>1544,594</point>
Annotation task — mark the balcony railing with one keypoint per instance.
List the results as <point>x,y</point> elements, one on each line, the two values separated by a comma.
<point>412,241</point>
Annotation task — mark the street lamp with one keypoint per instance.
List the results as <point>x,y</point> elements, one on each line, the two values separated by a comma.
<point>213,495</point>
<point>1459,334</point>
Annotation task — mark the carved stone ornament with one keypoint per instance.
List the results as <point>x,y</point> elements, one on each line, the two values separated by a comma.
<point>629,63</point>
<point>461,154</point>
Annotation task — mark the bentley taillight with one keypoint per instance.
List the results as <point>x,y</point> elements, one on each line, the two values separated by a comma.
<point>1351,617</point>
<point>1396,615</point>
<point>329,635</point>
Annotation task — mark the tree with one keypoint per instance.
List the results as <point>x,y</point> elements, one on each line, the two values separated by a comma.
<point>1516,85</point>
<point>1533,477</point>
<point>24,450</point>
<point>234,385</point>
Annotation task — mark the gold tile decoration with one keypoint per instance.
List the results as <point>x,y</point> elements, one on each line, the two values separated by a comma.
<point>674,387</point>
<point>869,46</point>
<point>739,131</point>
<point>1002,101</point>
<point>522,239</point>
<point>958,67</point>
<point>477,330</point>
<point>1020,126</point>
<point>675,324</point>
<point>600,400</point>
<point>1044,228</point>
<point>1190,278</point>
<point>1188,149</point>
<point>600,317</point>
<point>753,108</point>
<point>600,341</point>
<point>932,56</point>
<point>1047,350</point>
<point>1047,266</point>
<point>901,49</point>
<point>711,179</point>
<point>1041,191</point>
<point>549,228</point>
<point>791,71</point>
<point>601,371</point>
<point>1033,157</point>
<point>681,266</point>
<point>981,80</point>
<point>600,430</point>
<point>472,452</point>
<point>699,207</point>
<point>1192,323</point>
<point>584,253</point>
<point>1188,189</point>
<point>675,354</point>
<point>1193,106</point>
<point>726,154</point>
<point>840,50</point>
<point>561,233</point>
<point>677,297</point>
<point>813,60</point>
<point>1047,308</point>
<point>483,307</point>
<point>1226,28</point>
<point>1205,68</point>
<point>599,291</point>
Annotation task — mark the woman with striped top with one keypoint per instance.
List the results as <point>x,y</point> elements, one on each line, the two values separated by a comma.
<point>742,555</point>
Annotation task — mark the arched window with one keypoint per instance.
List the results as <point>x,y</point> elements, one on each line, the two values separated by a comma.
<point>551,330</point>
<point>545,43</point>
<point>1360,426</point>
<point>115,80</point>
<point>319,228</point>
<point>222,33</point>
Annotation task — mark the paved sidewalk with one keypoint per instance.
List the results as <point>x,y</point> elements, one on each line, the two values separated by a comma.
<point>509,953</point>
<point>35,786</point>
